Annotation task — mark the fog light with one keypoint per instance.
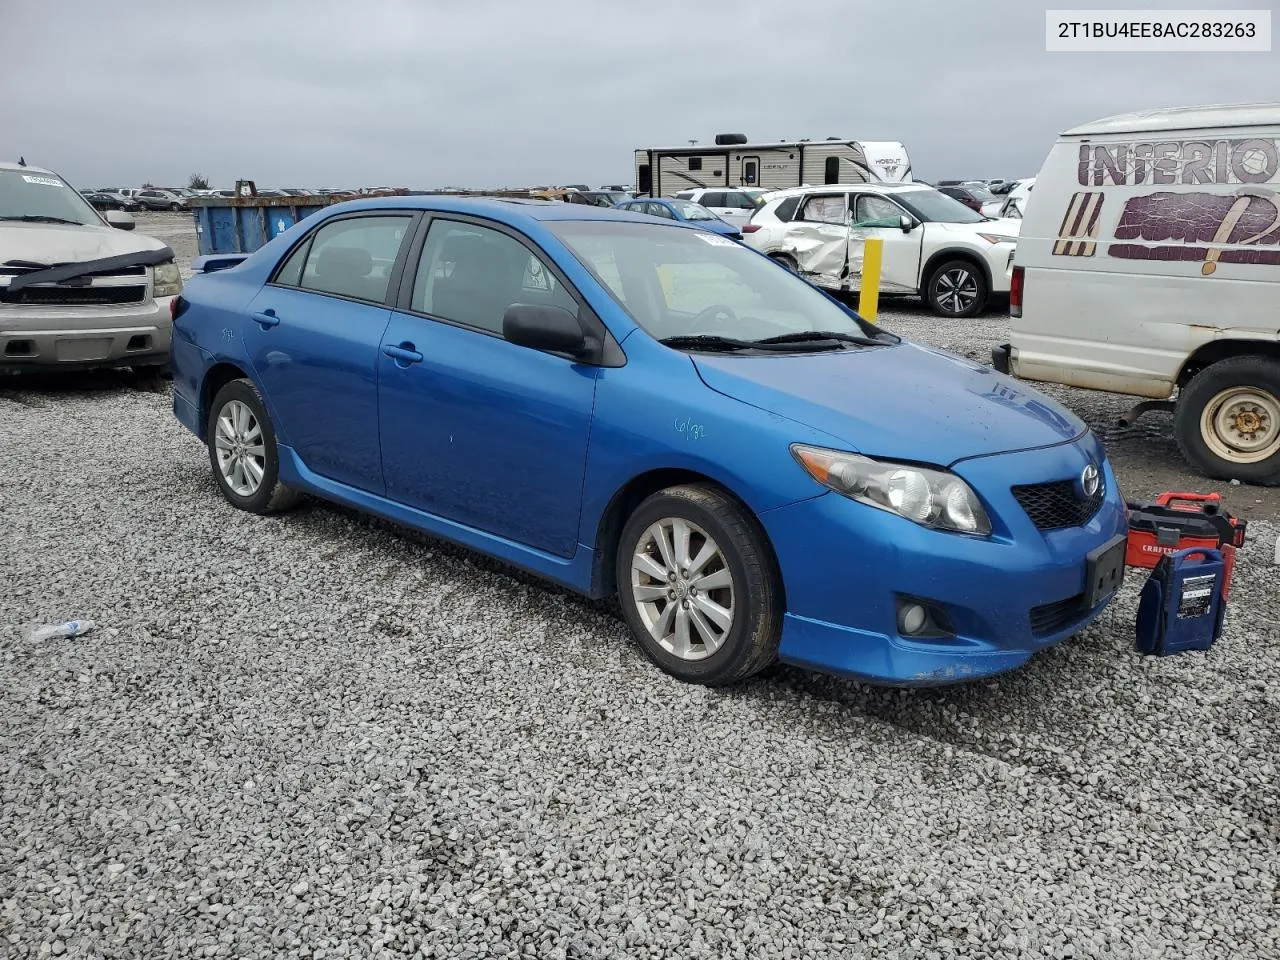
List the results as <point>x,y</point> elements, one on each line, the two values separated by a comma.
<point>921,619</point>
<point>911,619</point>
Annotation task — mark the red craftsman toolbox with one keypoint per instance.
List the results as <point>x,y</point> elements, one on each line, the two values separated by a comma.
<point>1182,521</point>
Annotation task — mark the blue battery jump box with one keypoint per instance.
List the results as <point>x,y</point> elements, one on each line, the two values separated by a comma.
<point>1181,606</point>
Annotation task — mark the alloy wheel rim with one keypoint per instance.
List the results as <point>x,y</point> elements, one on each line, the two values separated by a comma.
<point>956,290</point>
<point>238,443</point>
<point>683,588</point>
<point>1242,424</point>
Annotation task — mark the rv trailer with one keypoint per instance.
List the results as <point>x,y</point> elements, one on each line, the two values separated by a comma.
<point>733,162</point>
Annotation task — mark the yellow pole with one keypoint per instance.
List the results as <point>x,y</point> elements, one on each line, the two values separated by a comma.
<point>869,288</point>
<point>664,278</point>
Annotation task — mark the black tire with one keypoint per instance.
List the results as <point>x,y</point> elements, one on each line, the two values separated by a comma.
<point>175,207</point>
<point>271,495</point>
<point>1195,414</point>
<point>786,261</point>
<point>948,295</point>
<point>751,642</point>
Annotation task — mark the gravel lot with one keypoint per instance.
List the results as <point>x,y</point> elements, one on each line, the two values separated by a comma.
<point>319,735</point>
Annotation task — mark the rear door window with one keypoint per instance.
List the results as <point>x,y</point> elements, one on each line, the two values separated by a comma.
<point>352,257</point>
<point>826,208</point>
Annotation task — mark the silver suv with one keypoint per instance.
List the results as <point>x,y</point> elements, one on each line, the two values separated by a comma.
<point>76,289</point>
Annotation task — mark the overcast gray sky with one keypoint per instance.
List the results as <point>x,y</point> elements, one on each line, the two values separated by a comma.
<point>485,94</point>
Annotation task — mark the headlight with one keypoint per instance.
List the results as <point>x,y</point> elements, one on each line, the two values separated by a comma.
<point>931,498</point>
<point>166,280</point>
<point>997,238</point>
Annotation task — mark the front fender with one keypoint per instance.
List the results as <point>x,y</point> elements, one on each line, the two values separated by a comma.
<point>658,414</point>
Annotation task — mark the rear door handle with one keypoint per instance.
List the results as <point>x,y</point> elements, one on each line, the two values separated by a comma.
<point>266,319</point>
<point>403,355</point>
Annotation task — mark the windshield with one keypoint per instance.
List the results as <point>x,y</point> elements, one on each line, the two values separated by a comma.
<point>42,196</point>
<point>979,191</point>
<point>677,282</point>
<point>692,211</point>
<point>934,207</point>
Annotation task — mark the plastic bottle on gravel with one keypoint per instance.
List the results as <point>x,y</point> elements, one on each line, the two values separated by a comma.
<point>72,628</point>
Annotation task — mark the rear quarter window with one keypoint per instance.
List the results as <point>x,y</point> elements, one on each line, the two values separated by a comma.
<point>786,210</point>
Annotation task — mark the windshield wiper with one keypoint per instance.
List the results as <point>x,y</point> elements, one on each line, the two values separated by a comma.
<point>41,218</point>
<point>707,342</point>
<point>814,336</point>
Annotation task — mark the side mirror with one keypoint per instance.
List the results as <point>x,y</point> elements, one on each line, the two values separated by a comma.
<point>553,329</point>
<point>907,224</point>
<point>120,220</point>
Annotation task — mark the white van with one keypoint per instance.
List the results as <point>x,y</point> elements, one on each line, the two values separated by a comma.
<point>1149,264</point>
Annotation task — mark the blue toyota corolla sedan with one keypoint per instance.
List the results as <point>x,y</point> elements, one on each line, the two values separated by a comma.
<point>625,405</point>
<point>683,211</point>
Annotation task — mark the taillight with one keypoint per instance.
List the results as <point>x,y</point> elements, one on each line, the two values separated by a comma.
<point>1015,292</point>
<point>176,307</point>
<point>750,227</point>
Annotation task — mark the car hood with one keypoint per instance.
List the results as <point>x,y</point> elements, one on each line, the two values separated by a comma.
<point>51,243</point>
<point>1002,226</point>
<point>903,402</point>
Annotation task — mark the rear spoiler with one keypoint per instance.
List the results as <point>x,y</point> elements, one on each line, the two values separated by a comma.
<point>217,261</point>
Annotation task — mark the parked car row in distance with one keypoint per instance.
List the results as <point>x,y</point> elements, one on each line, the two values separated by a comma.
<point>683,211</point>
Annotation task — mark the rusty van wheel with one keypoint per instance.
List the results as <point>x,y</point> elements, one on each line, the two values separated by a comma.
<point>1227,420</point>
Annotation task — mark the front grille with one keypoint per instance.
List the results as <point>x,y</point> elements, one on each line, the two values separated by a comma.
<point>1052,617</point>
<point>1053,506</point>
<point>74,296</point>
<point>135,271</point>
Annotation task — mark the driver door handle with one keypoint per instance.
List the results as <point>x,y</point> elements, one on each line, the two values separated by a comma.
<point>267,318</point>
<point>404,354</point>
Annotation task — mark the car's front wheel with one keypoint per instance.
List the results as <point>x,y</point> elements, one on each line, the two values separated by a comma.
<point>699,586</point>
<point>956,288</point>
<point>243,451</point>
<point>175,207</point>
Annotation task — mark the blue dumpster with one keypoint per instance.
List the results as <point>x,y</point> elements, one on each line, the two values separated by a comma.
<point>242,224</point>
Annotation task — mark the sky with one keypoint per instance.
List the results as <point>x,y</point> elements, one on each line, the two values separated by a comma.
<point>485,94</point>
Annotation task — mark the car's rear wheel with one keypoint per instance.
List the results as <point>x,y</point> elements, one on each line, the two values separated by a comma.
<point>1227,420</point>
<point>698,585</point>
<point>786,261</point>
<point>243,451</point>
<point>956,288</point>
<point>175,207</point>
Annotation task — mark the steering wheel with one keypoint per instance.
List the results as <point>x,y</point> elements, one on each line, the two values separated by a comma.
<point>718,312</point>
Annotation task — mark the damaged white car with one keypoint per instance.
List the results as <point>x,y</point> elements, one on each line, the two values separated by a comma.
<point>934,247</point>
<point>76,289</point>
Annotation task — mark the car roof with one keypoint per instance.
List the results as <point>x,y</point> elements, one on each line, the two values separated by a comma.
<point>27,169</point>
<point>510,210</point>
<point>1184,118</point>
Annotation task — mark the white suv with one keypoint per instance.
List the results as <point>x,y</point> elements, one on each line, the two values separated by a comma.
<point>934,247</point>
<point>734,204</point>
<point>76,289</point>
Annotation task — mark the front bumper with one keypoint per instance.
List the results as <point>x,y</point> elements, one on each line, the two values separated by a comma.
<point>845,564</point>
<point>66,337</point>
<point>1000,262</point>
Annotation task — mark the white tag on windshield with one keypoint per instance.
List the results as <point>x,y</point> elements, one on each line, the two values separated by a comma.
<point>44,181</point>
<point>716,240</point>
